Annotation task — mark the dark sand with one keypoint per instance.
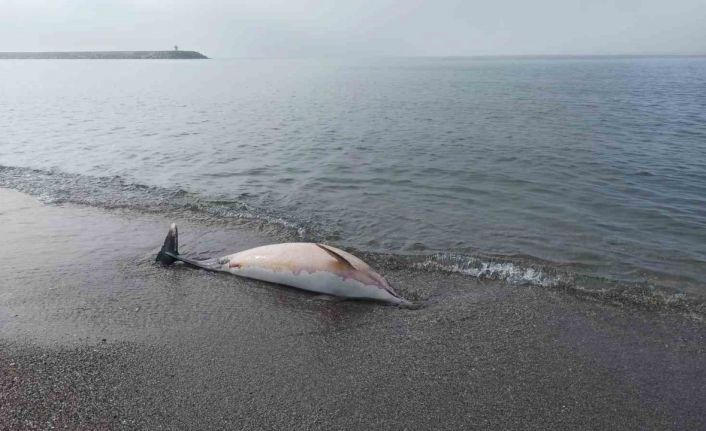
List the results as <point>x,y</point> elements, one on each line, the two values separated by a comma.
<point>93,335</point>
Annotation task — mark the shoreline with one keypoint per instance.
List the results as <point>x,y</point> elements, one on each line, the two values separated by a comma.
<point>110,193</point>
<point>93,334</point>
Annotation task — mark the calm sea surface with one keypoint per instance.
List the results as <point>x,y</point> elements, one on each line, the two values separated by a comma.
<point>529,170</point>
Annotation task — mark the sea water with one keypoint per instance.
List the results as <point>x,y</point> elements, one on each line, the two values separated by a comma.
<point>536,171</point>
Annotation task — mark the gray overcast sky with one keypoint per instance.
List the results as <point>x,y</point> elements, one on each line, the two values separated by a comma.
<point>246,28</point>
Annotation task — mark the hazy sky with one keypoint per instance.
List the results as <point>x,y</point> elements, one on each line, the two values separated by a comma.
<point>246,28</point>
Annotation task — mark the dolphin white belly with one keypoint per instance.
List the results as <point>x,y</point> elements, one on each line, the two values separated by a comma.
<point>314,267</point>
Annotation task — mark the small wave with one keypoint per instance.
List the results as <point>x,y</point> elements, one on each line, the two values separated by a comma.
<point>534,274</point>
<point>644,174</point>
<point>182,134</point>
<point>56,187</point>
<point>494,270</point>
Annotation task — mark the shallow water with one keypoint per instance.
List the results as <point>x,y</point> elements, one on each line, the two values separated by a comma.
<point>534,171</point>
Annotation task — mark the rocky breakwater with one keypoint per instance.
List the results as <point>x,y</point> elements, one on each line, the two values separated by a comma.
<point>105,55</point>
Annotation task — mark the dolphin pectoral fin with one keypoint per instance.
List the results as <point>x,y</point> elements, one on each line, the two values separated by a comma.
<point>336,255</point>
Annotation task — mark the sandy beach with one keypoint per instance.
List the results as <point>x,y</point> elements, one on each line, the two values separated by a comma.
<point>94,335</point>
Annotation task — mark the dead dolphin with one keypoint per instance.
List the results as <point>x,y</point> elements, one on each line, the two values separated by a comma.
<point>309,266</point>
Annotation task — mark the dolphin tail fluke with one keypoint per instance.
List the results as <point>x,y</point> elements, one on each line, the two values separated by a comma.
<point>170,250</point>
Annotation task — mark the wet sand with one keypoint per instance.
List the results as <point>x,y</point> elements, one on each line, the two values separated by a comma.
<point>94,335</point>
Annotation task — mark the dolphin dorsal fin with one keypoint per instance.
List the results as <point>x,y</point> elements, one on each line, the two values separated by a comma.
<point>336,255</point>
